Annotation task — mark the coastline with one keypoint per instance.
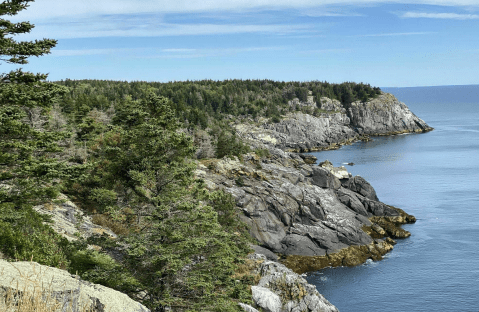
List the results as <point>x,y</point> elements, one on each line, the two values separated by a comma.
<point>316,216</point>
<point>389,229</point>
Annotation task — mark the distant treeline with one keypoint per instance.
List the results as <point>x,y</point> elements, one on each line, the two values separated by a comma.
<point>196,102</point>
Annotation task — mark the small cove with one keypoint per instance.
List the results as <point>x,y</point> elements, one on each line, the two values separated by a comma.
<point>435,177</point>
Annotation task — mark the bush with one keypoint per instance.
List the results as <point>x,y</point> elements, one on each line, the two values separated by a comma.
<point>262,152</point>
<point>228,144</point>
<point>24,237</point>
<point>101,269</point>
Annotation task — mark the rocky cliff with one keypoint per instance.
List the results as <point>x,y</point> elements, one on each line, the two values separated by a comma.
<point>296,209</point>
<point>315,216</point>
<point>384,115</point>
<point>338,124</point>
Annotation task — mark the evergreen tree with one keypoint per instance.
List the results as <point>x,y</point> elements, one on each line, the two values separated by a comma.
<point>180,252</point>
<point>29,170</point>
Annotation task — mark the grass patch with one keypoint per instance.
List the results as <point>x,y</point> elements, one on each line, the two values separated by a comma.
<point>35,296</point>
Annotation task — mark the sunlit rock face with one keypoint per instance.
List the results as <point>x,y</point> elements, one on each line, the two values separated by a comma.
<point>66,291</point>
<point>295,208</point>
<point>338,124</point>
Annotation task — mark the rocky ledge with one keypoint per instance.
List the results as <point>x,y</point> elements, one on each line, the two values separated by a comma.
<point>58,290</point>
<point>311,216</point>
<point>338,124</point>
<point>281,290</point>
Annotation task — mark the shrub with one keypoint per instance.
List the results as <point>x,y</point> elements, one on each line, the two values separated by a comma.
<point>262,152</point>
<point>228,144</point>
<point>99,268</point>
<point>23,237</point>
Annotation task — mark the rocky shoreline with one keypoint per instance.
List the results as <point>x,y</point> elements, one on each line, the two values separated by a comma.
<point>338,125</point>
<point>310,216</point>
<point>314,216</point>
<point>304,216</point>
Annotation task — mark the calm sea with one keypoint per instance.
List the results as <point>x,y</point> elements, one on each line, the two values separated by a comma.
<point>435,177</point>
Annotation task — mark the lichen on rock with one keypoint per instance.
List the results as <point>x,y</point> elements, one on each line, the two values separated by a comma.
<point>69,291</point>
<point>282,290</point>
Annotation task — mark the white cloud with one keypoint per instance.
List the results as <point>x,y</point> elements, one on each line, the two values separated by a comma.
<point>329,12</point>
<point>105,28</point>
<point>163,53</point>
<point>398,34</point>
<point>440,15</point>
<point>322,51</point>
<point>45,9</point>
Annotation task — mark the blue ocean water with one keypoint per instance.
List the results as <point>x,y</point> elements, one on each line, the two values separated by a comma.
<point>435,177</point>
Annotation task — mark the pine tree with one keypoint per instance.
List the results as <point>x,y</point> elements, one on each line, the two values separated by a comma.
<point>29,170</point>
<point>184,248</point>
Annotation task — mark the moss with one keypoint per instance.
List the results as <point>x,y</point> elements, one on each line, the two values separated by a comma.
<point>382,227</point>
<point>350,256</point>
<point>403,132</point>
<point>288,291</point>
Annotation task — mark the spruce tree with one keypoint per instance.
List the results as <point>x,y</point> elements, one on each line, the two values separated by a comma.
<point>183,249</point>
<point>27,167</point>
<point>30,171</point>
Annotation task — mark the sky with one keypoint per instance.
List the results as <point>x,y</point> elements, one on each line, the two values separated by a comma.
<point>400,43</point>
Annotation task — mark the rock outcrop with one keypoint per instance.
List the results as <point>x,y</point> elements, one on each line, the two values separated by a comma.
<point>337,125</point>
<point>67,292</point>
<point>282,290</point>
<point>384,115</point>
<point>297,209</point>
<point>70,221</point>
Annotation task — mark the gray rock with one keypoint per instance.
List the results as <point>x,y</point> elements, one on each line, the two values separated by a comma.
<point>295,293</point>
<point>247,307</point>
<point>350,199</point>
<point>322,177</point>
<point>257,257</point>
<point>295,244</point>
<point>266,299</point>
<point>68,290</point>
<point>302,132</point>
<point>361,186</point>
<point>266,252</point>
<point>384,115</point>
<point>309,159</point>
<point>70,221</point>
<point>296,208</point>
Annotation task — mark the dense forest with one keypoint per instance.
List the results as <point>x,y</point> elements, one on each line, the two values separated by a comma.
<point>204,108</point>
<point>196,102</point>
<point>125,153</point>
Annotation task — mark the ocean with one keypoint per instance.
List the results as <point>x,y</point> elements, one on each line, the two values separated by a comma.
<point>435,177</point>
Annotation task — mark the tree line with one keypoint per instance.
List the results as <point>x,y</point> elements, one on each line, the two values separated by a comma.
<point>197,102</point>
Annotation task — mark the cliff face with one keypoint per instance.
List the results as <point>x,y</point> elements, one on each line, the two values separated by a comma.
<point>338,125</point>
<point>384,115</point>
<point>297,209</point>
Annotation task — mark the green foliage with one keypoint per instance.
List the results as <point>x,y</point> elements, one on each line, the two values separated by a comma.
<point>203,103</point>
<point>262,152</point>
<point>183,252</point>
<point>228,144</point>
<point>239,181</point>
<point>102,269</point>
<point>24,237</point>
<point>30,169</point>
<point>27,167</point>
<point>15,52</point>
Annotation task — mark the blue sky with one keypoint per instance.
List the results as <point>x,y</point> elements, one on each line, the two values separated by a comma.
<point>384,43</point>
